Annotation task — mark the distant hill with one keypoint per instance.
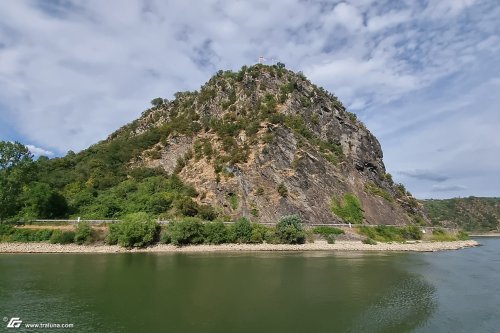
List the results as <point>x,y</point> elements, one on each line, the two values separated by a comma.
<point>472,213</point>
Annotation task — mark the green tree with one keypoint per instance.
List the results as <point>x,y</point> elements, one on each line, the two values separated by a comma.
<point>16,166</point>
<point>289,230</point>
<point>39,200</point>
<point>136,230</point>
<point>157,101</point>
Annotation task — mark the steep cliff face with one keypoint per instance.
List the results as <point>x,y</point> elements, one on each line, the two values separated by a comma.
<point>265,142</point>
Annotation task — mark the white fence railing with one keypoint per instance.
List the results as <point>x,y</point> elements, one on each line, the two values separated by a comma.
<point>164,222</point>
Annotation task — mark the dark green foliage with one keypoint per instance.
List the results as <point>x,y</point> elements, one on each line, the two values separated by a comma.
<point>10,234</point>
<point>84,233</point>
<point>62,237</point>
<point>187,207</point>
<point>348,208</point>
<point>16,170</point>
<point>135,230</point>
<point>412,232</point>
<point>41,201</point>
<point>325,231</point>
<point>215,233</point>
<point>289,230</point>
<point>242,231</point>
<point>260,233</point>
<point>189,230</point>
<point>282,190</point>
<point>206,213</point>
<point>157,101</point>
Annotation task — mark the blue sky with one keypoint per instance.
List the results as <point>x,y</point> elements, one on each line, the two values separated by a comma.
<point>423,75</point>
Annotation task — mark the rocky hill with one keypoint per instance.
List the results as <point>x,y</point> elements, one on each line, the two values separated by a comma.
<point>262,142</point>
<point>472,213</point>
<point>265,142</point>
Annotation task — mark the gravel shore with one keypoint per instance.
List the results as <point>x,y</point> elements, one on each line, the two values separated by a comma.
<point>316,246</point>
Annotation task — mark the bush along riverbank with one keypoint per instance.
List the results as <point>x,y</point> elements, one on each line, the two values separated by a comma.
<point>139,230</point>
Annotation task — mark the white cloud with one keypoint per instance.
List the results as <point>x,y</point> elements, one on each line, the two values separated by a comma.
<point>37,151</point>
<point>416,72</point>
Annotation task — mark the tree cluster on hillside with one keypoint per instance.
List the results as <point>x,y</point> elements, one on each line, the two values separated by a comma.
<point>472,213</point>
<point>96,183</point>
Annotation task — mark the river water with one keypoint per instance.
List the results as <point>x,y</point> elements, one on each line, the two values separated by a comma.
<point>455,291</point>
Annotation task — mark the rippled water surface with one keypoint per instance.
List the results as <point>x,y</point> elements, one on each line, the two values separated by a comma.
<point>456,291</point>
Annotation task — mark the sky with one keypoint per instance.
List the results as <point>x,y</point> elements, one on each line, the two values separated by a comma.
<point>423,75</point>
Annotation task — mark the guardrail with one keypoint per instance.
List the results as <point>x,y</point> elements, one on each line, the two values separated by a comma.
<point>164,222</point>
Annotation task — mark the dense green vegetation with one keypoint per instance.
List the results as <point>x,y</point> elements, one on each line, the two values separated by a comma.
<point>11,234</point>
<point>391,234</point>
<point>189,230</point>
<point>471,214</point>
<point>326,231</point>
<point>348,208</point>
<point>136,230</point>
<point>289,230</point>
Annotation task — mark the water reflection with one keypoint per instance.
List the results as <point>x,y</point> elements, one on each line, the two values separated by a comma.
<point>230,292</point>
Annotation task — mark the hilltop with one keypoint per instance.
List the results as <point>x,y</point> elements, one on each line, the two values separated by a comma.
<point>262,142</point>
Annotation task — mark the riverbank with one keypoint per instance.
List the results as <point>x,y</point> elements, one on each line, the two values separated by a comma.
<point>316,246</point>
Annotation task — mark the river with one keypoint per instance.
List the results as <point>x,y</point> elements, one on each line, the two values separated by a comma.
<point>454,291</point>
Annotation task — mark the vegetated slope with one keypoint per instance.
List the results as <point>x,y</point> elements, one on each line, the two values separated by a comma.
<point>472,213</point>
<point>262,142</point>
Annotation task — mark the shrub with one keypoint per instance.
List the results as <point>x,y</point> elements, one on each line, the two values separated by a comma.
<point>349,209</point>
<point>113,232</point>
<point>215,233</point>
<point>325,231</point>
<point>462,235</point>
<point>136,230</point>
<point>189,230</point>
<point>289,230</point>
<point>411,232</point>
<point>369,241</point>
<point>282,190</point>
<point>233,201</point>
<point>10,234</point>
<point>165,236</point>
<point>440,235</point>
<point>187,207</point>
<point>374,189</point>
<point>242,231</point>
<point>207,213</point>
<point>62,237</point>
<point>259,233</point>
<point>83,233</point>
<point>330,239</point>
<point>391,234</point>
